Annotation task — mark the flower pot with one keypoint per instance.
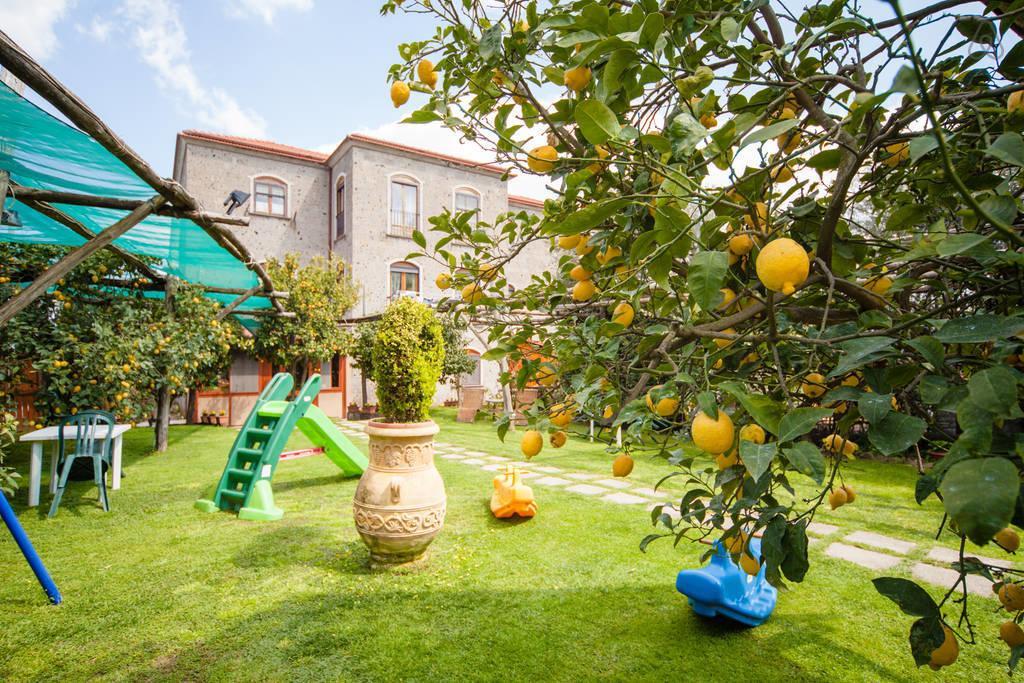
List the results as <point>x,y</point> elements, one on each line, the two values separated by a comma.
<point>400,502</point>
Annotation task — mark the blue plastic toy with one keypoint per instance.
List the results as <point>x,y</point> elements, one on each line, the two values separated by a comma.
<point>43,576</point>
<point>724,588</point>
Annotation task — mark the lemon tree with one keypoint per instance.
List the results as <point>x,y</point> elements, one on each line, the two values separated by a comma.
<point>813,217</point>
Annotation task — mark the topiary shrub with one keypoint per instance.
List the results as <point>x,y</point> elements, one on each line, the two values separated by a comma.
<point>408,355</point>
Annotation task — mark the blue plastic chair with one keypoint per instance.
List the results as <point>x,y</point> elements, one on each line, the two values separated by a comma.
<point>723,588</point>
<point>86,445</point>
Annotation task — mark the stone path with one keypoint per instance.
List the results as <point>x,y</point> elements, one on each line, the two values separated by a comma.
<point>866,549</point>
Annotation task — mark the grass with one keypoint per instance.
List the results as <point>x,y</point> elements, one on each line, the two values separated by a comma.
<point>157,591</point>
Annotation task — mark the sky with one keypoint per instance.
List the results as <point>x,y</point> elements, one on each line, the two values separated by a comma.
<point>299,72</point>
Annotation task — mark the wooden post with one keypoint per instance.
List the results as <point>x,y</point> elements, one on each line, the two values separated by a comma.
<point>226,311</point>
<point>163,394</point>
<point>49,277</point>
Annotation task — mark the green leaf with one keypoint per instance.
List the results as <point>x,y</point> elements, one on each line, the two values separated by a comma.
<point>1008,147</point>
<point>707,403</point>
<point>826,160</point>
<point>874,407</point>
<point>795,564</point>
<point>799,421</point>
<point>757,458</point>
<point>926,634</point>
<point>977,29</point>
<point>584,219</point>
<point>490,42</point>
<point>857,352</point>
<point>905,81</point>
<point>596,121</point>
<point>772,548</point>
<point>764,410</point>
<point>1000,208</point>
<point>705,277</point>
<point>978,328</point>
<point>921,145</point>
<point>931,349</point>
<point>730,29</point>
<point>980,496</point>
<point>419,239</point>
<point>806,458</point>
<point>896,433</point>
<point>1013,61</point>
<point>769,132</point>
<point>685,132</point>
<point>908,596</point>
<point>612,71</point>
<point>995,390</point>
<point>964,242</point>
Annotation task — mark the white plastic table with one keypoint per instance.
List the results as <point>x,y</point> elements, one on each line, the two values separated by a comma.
<point>40,436</point>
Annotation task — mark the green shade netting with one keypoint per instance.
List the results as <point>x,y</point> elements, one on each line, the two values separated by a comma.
<point>41,151</point>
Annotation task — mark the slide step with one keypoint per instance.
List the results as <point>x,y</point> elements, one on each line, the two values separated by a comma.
<point>231,493</point>
<point>241,473</point>
<point>259,431</point>
<point>249,451</point>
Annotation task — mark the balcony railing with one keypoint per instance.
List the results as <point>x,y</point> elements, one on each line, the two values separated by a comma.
<point>403,223</point>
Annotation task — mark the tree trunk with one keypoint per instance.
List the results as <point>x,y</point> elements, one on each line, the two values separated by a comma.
<point>190,406</point>
<point>362,382</point>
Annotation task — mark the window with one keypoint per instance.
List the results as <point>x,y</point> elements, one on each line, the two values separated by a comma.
<point>405,277</point>
<point>467,200</point>
<point>270,196</point>
<point>339,210</point>
<point>405,202</point>
<point>330,373</point>
<point>471,378</point>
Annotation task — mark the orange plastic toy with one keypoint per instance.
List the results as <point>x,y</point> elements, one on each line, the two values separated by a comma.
<point>511,497</point>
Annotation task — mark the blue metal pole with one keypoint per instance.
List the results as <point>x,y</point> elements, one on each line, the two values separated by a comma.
<point>14,526</point>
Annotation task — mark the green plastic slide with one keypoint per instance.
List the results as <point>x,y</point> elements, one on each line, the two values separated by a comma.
<point>319,429</point>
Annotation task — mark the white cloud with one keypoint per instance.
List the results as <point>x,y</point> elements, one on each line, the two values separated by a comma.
<point>30,23</point>
<point>158,34</point>
<point>266,9</point>
<point>98,29</point>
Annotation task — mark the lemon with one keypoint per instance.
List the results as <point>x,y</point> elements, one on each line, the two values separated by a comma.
<point>584,247</point>
<point>399,93</point>
<point>665,407</point>
<point>561,414</point>
<point>608,413</point>
<point>752,432</point>
<point>568,241</point>
<point>1015,103</point>
<point>740,245</point>
<point>722,343</point>
<point>489,271</point>
<point>724,462</point>
<point>1011,595</point>
<point>813,385</point>
<point>1008,540</point>
<point>835,443</point>
<point>532,443</point>
<point>608,254</point>
<point>579,273</point>
<point>737,543</point>
<point>431,80</point>
<point>879,284</point>
<point>425,71</point>
<point>711,435</point>
<point>757,219</point>
<point>749,564</point>
<point>623,314</point>
<point>602,154</point>
<point>945,654</point>
<point>789,142</point>
<point>578,78</point>
<point>782,174</point>
<point>837,498</point>
<point>782,265</point>
<point>558,439</point>
<point>443,281</point>
<point>851,495</point>
<point>1011,633</point>
<point>546,375</point>
<point>542,159</point>
<point>583,290</point>
<point>522,26</point>
<point>787,113</point>
<point>896,154</point>
<point>472,293</point>
<point>852,380</point>
<point>728,296</point>
<point>708,121</point>
<point>622,465</point>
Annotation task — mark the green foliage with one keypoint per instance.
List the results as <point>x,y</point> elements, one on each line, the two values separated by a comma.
<point>8,431</point>
<point>708,122</point>
<point>456,361</point>
<point>360,347</point>
<point>319,294</point>
<point>408,356</point>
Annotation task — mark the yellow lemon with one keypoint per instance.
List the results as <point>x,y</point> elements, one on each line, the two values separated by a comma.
<point>608,254</point>
<point>837,498</point>
<point>945,654</point>
<point>472,294</point>
<point>782,174</point>
<point>399,93</point>
<point>782,265</point>
<point>443,281</point>
<point>424,70</point>
<point>602,154</point>
<point>561,414</point>
<point>1011,595</point>
<point>728,296</point>
<point>757,219</point>
<point>622,465</point>
<point>584,247</point>
<point>542,159</point>
<point>558,439</point>
<point>711,435</point>
<point>722,343</point>
<point>752,432</point>
<point>1015,103</point>
<point>724,462</point>
<point>568,241</point>
<point>608,413</point>
<point>579,273</point>
<point>813,385</point>
<point>1008,540</point>
<point>578,78</point>
<point>740,245</point>
<point>708,121</point>
<point>851,495</point>
<point>737,543</point>
<point>1010,632</point>
<point>789,142</point>
<point>583,290</point>
<point>665,407</point>
<point>749,564</point>
<point>532,443</point>
<point>623,314</point>
<point>896,154</point>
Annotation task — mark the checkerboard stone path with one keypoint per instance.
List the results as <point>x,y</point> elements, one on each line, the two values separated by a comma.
<point>870,550</point>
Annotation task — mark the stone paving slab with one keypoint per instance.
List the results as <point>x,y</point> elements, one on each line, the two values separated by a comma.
<point>620,498</point>
<point>893,545</point>
<point>613,483</point>
<point>455,448</point>
<point>473,461</point>
<point>821,529</point>
<point>547,469</point>
<point>438,444</point>
<point>528,475</point>
<point>650,493</point>
<point>553,481</point>
<point>666,509</point>
<point>494,467</point>
<point>497,458</point>
<point>452,456</point>
<point>582,476</point>
<point>948,555</point>
<point>520,463</point>
<point>859,556</point>
<point>476,454</point>
<point>940,576</point>
<point>586,489</point>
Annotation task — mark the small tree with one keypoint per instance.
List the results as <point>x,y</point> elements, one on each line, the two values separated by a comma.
<point>318,294</point>
<point>361,353</point>
<point>408,357</point>
<point>456,361</point>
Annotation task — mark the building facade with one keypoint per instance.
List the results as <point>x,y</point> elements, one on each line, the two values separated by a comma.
<point>361,202</point>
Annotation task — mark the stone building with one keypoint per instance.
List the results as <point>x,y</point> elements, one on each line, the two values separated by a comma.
<point>361,202</point>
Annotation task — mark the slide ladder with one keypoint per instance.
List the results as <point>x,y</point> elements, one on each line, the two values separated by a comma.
<point>244,486</point>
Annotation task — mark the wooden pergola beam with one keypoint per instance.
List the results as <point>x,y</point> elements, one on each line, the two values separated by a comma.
<point>49,277</point>
<point>26,194</point>
<point>30,72</point>
<point>114,282</point>
<point>226,311</point>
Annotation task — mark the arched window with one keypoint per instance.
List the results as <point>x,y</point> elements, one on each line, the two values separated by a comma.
<point>339,209</point>
<point>269,196</point>
<point>466,199</point>
<point>472,378</point>
<point>405,278</point>
<point>404,214</point>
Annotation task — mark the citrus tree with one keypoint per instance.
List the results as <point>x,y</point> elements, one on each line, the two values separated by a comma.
<point>319,294</point>
<point>785,239</point>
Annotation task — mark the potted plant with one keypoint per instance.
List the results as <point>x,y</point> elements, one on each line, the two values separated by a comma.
<point>399,505</point>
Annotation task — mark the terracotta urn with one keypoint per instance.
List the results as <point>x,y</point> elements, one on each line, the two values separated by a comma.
<point>400,502</point>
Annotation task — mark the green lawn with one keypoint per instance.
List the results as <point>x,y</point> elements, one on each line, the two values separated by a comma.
<point>156,590</point>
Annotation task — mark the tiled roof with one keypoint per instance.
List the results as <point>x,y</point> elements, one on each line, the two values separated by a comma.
<point>257,145</point>
<point>526,201</point>
<point>419,151</point>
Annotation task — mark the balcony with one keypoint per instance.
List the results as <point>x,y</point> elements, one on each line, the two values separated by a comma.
<point>403,223</point>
